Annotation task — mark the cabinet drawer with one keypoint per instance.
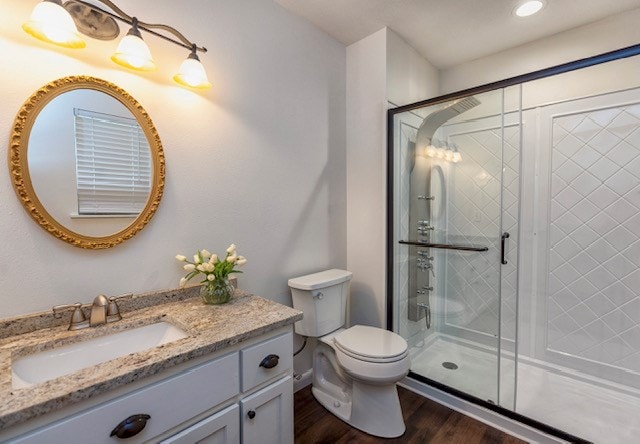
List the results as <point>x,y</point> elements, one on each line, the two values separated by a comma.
<point>168,402</point>
<point>220,428</point>
<point>253,373</point>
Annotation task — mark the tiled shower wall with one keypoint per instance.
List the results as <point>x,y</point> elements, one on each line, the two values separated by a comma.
<point>593,292</point>
<point>474,217</point>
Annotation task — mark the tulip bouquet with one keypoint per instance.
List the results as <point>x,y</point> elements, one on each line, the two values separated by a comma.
<point>215,288</point>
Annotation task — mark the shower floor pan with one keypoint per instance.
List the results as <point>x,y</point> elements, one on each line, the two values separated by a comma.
<point>591,411</point>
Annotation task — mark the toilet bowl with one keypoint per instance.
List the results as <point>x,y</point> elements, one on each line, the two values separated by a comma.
<point>355,370</point>
<point>449,312</point>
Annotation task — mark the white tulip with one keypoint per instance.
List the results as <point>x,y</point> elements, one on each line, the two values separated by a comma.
<point>211,277</point>
<point>200,267</point>
<point>241,261</point>
<point>196,259</point>
<point>213,259</point>
<point>208,267</point>
<point>231,249</point>
<point>183,282</point>
<point>205,254</point>
<point>181,258</point>
<point>232,258</point>
<point>189,267</point>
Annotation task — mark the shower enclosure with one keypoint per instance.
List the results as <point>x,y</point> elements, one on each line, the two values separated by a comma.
<point>514,245</point>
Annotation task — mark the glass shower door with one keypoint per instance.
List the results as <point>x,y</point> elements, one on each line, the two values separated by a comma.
<point>456,197</point>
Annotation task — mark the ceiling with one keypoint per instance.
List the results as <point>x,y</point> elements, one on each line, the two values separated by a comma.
<point>450,32</point>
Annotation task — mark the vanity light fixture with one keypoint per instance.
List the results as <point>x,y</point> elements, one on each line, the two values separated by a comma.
<point>529,8</point>
<point>192,72</point>
<point>62,23</point>
<point>133,52</point>
<point>51,23</point>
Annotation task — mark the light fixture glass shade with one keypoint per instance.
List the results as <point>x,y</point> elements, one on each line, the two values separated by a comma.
<point>51,23</point>
<point>134,53</point>
<point>192,73</point>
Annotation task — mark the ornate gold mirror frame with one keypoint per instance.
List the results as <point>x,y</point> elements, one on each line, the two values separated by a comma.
<point>19,167</point>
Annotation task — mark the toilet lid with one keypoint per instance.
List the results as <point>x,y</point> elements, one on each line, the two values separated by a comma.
<point>371,342</point>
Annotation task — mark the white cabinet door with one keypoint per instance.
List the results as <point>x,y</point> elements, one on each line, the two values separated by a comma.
<point>220,428</point>
<point>267,415</point>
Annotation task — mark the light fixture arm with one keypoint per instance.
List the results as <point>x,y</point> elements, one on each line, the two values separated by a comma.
<point>119,14</point>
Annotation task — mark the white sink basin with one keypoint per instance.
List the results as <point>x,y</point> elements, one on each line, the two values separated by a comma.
<point>50,364</point>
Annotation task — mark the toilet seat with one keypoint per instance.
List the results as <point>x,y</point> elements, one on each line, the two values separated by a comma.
<point>371,344</point>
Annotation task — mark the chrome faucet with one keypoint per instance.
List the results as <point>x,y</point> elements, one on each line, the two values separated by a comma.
<point>99,310</point>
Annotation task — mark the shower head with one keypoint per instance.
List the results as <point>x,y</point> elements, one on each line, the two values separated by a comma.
<point>438,118</point>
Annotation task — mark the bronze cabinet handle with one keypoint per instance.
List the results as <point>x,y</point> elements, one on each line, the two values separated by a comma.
<point>130,426</point>
<point>270,361</point>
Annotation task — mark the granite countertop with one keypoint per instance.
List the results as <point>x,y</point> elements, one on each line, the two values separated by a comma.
<point>209,328</point>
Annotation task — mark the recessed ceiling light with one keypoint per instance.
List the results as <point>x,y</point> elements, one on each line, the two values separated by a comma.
<point>529,8</point>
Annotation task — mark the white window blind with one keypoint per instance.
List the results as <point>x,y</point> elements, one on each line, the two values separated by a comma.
<point>113,164</point>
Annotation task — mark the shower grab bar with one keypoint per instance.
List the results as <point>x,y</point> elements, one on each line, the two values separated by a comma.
<point>459,247</point>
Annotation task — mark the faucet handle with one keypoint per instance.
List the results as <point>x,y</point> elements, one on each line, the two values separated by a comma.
<point>113,311</point>
<point>78,318</point>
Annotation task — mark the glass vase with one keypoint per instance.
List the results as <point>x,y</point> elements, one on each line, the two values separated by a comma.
<point>216,292</point>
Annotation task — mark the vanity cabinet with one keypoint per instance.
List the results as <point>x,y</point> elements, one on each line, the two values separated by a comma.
<point>242,394</point>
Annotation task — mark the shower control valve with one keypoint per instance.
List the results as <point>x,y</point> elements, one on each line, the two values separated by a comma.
<point>424,227</point>
<point>424,264</point>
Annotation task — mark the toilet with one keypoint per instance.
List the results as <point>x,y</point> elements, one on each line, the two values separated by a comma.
<point>355,370</point>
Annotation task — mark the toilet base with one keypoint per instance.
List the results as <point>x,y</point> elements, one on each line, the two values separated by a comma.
<point>374,409</point>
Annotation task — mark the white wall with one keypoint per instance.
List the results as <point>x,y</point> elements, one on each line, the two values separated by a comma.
<point>380,68</point>
<point>366,105</point>
<point>259,160</point>
<point>612,33</point>
<point>410,77</point>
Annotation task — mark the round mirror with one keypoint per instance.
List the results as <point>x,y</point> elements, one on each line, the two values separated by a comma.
<point>86,162</point>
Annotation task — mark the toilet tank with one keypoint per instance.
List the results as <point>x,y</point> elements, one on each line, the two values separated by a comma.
<point>322,297</point>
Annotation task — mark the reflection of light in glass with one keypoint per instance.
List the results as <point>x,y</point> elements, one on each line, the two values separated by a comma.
<point>448,154</point>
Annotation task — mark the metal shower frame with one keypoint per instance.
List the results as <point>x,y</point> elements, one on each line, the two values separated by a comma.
<point>610,56</point>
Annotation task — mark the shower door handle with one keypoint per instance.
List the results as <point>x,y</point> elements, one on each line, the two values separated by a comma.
<point>503,252</point>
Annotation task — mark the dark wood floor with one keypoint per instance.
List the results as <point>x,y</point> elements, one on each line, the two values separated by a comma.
<point>426,421</point>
